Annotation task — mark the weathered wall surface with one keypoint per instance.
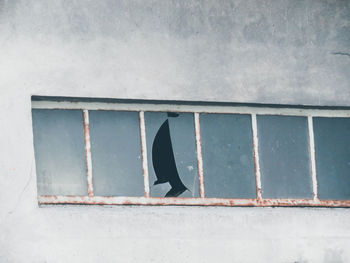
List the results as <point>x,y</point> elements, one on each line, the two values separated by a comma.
<point>294,52</point>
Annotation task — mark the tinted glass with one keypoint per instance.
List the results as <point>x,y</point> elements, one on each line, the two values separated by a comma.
<point>284,157</point>
<point>116,153</point>
<point>227,149</point>
<point>332,145</point>
<point>183,146</point>
<point>59,152</point>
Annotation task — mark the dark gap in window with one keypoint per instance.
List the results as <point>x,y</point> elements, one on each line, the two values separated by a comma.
<point>164,161</point>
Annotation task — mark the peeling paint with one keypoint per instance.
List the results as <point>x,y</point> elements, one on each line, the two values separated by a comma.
<point>199,155</point>
<point>104,200</point>
<point>88,153</point>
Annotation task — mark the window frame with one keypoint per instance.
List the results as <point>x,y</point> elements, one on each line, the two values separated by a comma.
<point>141,108</point>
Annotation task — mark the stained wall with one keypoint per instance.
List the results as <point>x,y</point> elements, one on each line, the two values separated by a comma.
<point>277,52</point>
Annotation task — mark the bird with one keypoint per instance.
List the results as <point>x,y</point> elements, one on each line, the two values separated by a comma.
<point>164,161</point>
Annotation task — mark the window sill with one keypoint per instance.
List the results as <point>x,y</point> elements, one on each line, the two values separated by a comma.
<point>161,201</point>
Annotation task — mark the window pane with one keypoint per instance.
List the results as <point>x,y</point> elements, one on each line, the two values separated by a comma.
<point>116,153</point>
<point>172,152</point>
<point>227,148</point>
<point>332,145</point>
<point>59,152</point>
<point>284,157</point>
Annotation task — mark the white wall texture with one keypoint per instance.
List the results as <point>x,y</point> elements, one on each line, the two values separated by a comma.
<point>285,52</point>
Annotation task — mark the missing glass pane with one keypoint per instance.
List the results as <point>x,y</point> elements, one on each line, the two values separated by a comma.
<point>171,154</point>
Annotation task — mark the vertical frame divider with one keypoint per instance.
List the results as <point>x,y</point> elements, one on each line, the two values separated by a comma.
<point>144,153</point>
<point>256,157</point>
<point>88,153</point>
<point>199,155</point>
<point>312,157</point>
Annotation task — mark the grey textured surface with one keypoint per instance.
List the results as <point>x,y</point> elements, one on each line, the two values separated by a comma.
<point>265,51</point>
<point>332,145</point>
<point>59,152</point>
<point>116,153</point>
<point>294,52</point>
<point>227,148</point>
<point>284,157</point>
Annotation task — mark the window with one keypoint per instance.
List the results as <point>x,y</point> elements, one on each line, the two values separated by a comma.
<point>154,153</point>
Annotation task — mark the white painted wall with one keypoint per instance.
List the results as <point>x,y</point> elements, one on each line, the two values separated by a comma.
<point>237,51</point>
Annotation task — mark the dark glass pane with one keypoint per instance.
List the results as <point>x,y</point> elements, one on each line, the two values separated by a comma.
<point>227,149</point>
<point>284,157</point>
<point>116,153</point>
<point>59,152</point>
<point>183,146</point>
<point>332,145</point>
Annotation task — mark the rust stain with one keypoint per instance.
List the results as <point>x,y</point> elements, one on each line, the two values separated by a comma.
<point>199,155</point>
<point>256,158</point>
<point>144,154</point>
<point>161,201</point>
<point>147,192</point>
<point>258,187</point>
<point>88,153</point>
<point>305,202</point>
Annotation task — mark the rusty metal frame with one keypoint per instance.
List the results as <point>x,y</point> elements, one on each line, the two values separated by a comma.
<point>259,201</point>
<point>189,108</point>
<point>144,153</point>
<point>256,157</point>
<point>88,153</point>
<point>199,154</point>
<point>312,157</point>
<point>179,201</point>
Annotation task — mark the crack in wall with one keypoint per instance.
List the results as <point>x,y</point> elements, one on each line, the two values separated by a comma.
<point>341,53</point>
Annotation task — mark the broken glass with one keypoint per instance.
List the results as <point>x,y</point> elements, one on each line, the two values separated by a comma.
<point>171,150</point>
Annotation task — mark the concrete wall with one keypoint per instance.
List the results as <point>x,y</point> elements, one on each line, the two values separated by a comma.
<point>295,52</point>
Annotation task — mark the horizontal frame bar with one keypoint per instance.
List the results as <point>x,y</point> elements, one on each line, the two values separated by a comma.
<point>189,108</point>
<point>102,200</point>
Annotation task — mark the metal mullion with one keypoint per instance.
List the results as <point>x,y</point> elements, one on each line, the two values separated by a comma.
<point>312,157</point>
<point>199,155</point>
<point>256,157</point>
<point>88,153</point>
<point>144,153</point>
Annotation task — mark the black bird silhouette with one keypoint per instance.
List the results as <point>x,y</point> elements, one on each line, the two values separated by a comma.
<point>164,162</point>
